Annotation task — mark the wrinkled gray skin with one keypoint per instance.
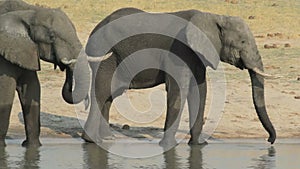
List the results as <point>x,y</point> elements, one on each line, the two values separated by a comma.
<point>28,34</point>
<point>233,42</point>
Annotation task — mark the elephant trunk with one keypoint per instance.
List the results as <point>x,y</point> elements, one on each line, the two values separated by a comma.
<point>257,81</point>
<point>81,77</point>
<point>67,89</point>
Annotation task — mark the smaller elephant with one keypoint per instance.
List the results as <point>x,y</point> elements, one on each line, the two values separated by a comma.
<point>28,34</point>
<point>135,38</point>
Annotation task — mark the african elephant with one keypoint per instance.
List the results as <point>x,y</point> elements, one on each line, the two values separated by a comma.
<point>26,36</point>
<point>15,5</point>
<point>198,39</point>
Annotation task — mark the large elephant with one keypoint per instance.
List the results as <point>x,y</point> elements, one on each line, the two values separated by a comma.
<point>28,34</point>
<point>198,39</point>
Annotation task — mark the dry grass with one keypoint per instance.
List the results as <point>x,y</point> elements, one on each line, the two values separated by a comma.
<point>270,16</point>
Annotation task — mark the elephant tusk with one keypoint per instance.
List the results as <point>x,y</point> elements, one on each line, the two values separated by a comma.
<point>265,75</point>
<point>99,58</point>
<point>68,62</point>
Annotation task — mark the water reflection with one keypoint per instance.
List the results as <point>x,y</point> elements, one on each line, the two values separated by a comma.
<point>171,159</point>
<point>195,159</point>
<point>3,158</point>
<point>84,155</point>
<point>183,156</point>
<point>266,161</point>
<point>31,158</point>
<point>179,157</point>
<point>28,158</point>
<point>94,156</point>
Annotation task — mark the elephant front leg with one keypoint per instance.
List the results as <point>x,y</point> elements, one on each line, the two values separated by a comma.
<point>4,116</point>
<point>105,131</point>
<point>91,127</point>
<point>29,94</point>
<point>176,97</point>
<point>7,92</point>
<point>97,126</point>
<point>196,103</point>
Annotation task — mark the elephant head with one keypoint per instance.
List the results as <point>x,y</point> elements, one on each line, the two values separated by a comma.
<point>48,34</point>
<point>236,45</point>
<point>239,49</point>
<point>15,5</point>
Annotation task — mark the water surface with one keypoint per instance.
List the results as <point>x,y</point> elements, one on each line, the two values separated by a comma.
<point>223,154</point>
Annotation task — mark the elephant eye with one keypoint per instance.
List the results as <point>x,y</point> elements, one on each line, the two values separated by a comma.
<point>243,41</point>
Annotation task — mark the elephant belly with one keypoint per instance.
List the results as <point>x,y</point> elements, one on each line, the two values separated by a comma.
<point>147,79</point>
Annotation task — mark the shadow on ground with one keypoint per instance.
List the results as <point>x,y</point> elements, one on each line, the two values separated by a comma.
<point>137,132</point>
<point>59,124</point>
<point>64,125</point>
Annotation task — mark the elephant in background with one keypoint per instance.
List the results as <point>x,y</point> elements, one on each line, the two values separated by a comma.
<point>15,5</point>
<point>230,37</point>
<point>28,34</point>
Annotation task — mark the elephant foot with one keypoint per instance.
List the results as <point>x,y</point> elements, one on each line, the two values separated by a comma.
<point>168,143</point>
<point>86,138</point>
<point>27,143</point>
<point>197,142</point>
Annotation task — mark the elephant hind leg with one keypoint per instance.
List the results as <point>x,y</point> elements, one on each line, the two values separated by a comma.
<point>196,104</point>
<point>28,88</point>
<point>7,92</point>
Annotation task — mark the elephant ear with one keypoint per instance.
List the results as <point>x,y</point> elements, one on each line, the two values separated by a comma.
<point>201,44</point>
<point>16,45</point>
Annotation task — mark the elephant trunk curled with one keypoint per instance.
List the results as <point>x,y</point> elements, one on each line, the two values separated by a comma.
<point>81,76</point>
